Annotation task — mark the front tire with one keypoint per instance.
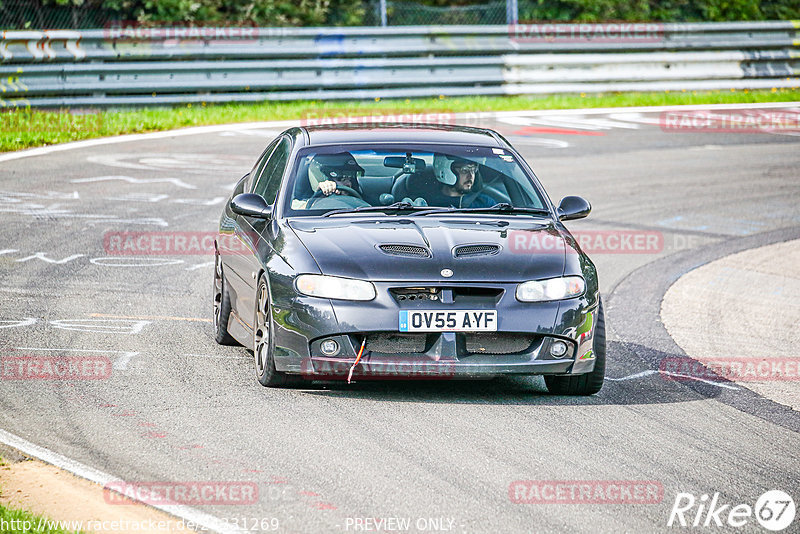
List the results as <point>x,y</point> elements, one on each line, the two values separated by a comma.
<point>588,383</point>
<point>264,341</point>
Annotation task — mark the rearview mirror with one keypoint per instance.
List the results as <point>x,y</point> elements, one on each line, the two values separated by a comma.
<point>413,166</point>
<point>572,208</point>
<point>251,205</point>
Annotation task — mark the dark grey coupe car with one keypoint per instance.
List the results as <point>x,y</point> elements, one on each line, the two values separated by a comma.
<point>405,252</point>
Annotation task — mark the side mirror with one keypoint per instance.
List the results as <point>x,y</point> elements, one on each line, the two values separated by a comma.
<point>251,205</point>
<point>572,208</point>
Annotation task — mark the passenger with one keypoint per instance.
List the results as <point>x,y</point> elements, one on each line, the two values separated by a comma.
<point>457,177</point>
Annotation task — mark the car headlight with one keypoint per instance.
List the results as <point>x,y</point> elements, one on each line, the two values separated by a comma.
<point>552,289</point>
<point>334,287</point>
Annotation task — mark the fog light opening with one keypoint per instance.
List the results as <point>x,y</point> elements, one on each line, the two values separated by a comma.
<point>329,347</point>
<point>558,349</point>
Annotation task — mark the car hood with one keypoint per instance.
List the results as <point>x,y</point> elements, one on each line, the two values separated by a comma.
<point>524,248</point>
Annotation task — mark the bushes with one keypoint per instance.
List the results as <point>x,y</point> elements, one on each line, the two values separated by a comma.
<point>225,12</point>
<point>653,10</point>
<point>97,13</point>
<point>93,13</point>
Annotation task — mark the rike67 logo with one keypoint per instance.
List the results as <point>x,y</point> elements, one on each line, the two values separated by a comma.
<point>774,510</point>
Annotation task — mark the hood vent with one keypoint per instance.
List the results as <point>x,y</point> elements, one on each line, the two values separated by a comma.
<point>408,251</point>
<point>468,251</point>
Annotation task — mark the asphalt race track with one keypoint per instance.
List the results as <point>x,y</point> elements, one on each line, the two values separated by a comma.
<point>443,454</point>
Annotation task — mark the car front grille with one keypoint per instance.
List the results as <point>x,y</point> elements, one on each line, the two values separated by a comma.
<point>498,342</point>
<point>402,294</point>
<point>476,294</point>
<point>393,343</point>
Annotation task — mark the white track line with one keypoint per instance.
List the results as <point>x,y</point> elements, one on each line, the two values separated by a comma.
<point>633,377</point>
<point>186,513</point>
<point>678,375</point>
<point>638,109</point>
<point>198,130</point>
<point>41,151</point>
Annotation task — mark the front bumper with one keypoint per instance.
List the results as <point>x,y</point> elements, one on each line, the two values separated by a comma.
<point>520,346</point>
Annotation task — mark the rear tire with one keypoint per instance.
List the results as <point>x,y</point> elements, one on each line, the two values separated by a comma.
<point>588,383</point>
<point>222,306</point>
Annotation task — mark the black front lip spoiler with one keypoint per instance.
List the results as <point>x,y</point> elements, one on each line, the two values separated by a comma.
<point>408,368</point>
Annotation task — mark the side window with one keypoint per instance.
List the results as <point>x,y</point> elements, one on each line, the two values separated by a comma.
<point>259,166</point>
<point>269,179</point>
<point>239,189</point>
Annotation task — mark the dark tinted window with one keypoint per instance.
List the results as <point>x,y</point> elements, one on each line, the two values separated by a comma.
<point>269,179</point>
<point>259,166</point>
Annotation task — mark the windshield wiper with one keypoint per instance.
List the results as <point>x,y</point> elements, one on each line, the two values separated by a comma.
<point>397,206</point>
<point>502,207</point>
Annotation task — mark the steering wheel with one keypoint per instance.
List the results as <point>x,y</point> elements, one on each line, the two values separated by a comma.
<point>343,188</point>
<point>400,187</point>
<point>496,194</point>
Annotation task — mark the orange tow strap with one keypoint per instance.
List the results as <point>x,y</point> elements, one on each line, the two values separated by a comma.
<point>358,359</point>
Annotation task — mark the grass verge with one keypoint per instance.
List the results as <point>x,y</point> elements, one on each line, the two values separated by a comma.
<point>25,128</point>
<point>20,522</point>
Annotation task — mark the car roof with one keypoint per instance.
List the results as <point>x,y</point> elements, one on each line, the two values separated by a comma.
<point>401,133</point>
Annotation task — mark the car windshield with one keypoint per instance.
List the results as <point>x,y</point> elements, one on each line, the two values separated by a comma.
<point>333,179</point>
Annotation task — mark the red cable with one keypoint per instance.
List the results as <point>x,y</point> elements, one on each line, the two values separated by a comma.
<point>358,359</point>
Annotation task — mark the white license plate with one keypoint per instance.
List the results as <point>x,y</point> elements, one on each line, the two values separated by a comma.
<point>448,321</point>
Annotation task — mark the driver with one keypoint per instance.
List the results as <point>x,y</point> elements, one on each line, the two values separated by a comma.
<point>328,171</point>
<point>457,178</point>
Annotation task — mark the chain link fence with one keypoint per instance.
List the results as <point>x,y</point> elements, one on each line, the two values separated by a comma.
<point>414,14</point>
<point>27,14</point>
<point>34,14</point>
<point>24,14</point>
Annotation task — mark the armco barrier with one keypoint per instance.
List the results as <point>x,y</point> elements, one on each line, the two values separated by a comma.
<point>146,66</point>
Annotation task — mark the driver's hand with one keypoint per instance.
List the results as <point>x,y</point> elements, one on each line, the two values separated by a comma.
<point>327,187</point>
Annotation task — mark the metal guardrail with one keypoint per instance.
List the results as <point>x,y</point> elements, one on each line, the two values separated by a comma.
<point>168,66</point>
